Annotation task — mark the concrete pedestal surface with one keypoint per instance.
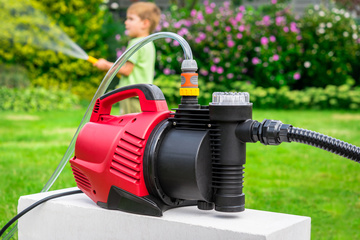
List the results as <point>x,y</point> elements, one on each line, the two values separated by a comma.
<point>78,217</point>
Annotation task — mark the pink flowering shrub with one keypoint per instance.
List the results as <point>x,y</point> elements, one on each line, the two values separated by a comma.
<point>267,47</point>
<point>235,44</point>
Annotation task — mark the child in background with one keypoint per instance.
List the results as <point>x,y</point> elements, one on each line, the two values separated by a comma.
<point>141,20</point>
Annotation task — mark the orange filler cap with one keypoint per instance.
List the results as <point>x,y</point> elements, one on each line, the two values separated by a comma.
<point>189,84</point>
<point>189,78</point>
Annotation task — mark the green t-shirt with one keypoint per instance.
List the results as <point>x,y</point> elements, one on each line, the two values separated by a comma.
<point>144,65</point>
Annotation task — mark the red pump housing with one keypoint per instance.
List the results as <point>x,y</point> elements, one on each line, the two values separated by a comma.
<point>109,149</point>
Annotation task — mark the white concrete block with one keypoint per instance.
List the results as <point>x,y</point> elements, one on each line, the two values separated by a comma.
<point>77,217</point>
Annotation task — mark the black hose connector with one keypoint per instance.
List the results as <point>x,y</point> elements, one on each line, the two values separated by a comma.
<point>273,132</point>
<point>268,132</point>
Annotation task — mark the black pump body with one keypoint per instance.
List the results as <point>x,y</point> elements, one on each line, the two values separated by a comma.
<point>151,161</point>
<point>196,156</point>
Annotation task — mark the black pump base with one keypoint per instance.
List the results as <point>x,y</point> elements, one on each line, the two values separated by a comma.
<point>119,199</point>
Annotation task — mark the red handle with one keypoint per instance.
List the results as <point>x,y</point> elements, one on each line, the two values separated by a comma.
<point>150,96</point>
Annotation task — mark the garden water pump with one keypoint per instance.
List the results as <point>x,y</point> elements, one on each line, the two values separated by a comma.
<point>148,162</point>
<point>154,160</point>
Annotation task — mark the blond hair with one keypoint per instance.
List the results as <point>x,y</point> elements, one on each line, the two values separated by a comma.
<point>146,10</point>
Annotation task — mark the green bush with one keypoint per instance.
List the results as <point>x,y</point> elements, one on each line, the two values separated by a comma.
<point>332,97</point>
<point>13,76</point>
<point>169,85</point>
<point>330,39</point>
<point>41,22</point>
<point>36,99</point>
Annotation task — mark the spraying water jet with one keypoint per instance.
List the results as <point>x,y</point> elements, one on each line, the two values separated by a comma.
<point>30,26</point>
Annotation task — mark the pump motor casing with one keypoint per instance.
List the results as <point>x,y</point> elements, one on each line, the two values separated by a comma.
<point>151,161</point>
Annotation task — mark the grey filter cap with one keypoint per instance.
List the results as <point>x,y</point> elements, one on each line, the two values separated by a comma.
<point>189,65</point>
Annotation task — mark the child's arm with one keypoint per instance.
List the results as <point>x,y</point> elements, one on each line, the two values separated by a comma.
<point>105,65</point>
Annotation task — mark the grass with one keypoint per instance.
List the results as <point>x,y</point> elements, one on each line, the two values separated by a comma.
<point>290,178</point>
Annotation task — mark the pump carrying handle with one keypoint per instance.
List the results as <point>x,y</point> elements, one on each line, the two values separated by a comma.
<point>150,96</point>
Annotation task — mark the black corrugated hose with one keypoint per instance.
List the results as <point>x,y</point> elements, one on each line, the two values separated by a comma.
<point>274,132</point>
<point>327,143</point>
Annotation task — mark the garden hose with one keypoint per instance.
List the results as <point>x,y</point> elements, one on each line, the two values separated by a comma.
<point>274,132</point>
<point>92,60</point>
<point>101,90</point>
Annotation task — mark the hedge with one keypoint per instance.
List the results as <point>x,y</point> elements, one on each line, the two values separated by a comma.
<point>346,96</point>
<point>36,99</point>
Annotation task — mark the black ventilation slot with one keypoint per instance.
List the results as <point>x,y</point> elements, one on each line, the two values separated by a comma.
<point>191,118</point>
<point>97,106</point>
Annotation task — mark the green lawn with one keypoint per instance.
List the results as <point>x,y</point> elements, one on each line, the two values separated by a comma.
<point>291,178</point>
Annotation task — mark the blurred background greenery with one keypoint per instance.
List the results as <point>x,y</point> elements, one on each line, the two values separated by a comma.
<point>272,50</point>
